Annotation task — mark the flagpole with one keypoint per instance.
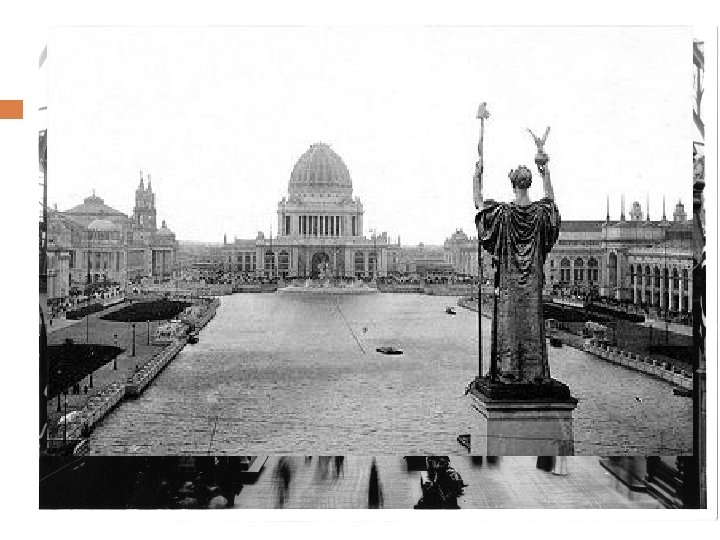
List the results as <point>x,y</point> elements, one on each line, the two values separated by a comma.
<point>482,114</point>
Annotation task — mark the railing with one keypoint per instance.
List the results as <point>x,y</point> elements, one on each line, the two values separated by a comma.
<point>644,364</point>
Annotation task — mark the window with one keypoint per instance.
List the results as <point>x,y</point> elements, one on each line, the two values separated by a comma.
<point>269,261</point>
<point>354,226</point>
<point>579,269</point>
<point>564,270</point>
<point>359,262</point>
<point>287,225</point>
<point>284,262</point>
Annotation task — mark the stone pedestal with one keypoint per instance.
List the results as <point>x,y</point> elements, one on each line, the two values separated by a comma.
<point>522,419</point>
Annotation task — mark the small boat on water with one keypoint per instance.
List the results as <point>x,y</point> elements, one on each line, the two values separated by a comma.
<point>389,350</point>
<point>450,310</point>
<point>555,341</point>
<point>684,392</point>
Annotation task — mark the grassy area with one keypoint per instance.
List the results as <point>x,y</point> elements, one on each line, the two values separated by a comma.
<point>156,310</point>
<point>86,310</point>
<point>69,363</point>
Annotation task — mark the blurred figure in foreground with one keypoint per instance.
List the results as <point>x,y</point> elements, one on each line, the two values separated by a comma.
<point>283,475</point>
<point>339,466</point>
<point>375,496</point>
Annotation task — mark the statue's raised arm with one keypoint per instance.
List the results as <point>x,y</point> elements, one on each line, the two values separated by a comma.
<point>541,160</point>
<point>482,114</point>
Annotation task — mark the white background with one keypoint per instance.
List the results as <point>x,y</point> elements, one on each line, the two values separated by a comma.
<point>24,32</point>
<point>219,116</point>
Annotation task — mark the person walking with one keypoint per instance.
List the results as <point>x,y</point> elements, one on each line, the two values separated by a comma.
<point>283,476</point>
<point>339,466</point>
<point>375,495</point>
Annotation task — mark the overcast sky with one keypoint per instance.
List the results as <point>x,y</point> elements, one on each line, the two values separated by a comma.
<point>219,116</point>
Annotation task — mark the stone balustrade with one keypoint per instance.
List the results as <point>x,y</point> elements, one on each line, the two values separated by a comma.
<point>644,364</point>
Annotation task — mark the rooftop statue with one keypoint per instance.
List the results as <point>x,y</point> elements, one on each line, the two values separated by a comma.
<point>519,235</point>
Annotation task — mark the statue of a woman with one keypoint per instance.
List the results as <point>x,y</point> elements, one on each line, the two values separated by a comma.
<point>519,235</point>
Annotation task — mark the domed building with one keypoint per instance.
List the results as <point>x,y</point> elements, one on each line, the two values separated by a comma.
<point>320,228</point>
<point>95,243</point>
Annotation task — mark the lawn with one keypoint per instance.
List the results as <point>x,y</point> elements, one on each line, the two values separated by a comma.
<point>156,310</point>
<point>69,363</point>
<point>86,310</point>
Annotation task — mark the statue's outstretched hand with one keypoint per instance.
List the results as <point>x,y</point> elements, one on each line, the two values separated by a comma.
<point>541,160</point>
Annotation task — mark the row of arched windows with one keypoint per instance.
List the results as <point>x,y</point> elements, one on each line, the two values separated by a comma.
<point>578,270</point>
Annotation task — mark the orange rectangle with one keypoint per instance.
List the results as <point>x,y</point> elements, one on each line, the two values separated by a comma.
<point>11,109</point>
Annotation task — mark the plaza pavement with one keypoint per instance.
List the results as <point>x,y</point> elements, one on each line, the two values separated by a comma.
<point>101,332</point>
<point>510,483</point>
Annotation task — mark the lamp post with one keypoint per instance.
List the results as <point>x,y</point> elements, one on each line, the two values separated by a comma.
<point>59,372</point>
<point>133,345</point>
<point>65,422</point>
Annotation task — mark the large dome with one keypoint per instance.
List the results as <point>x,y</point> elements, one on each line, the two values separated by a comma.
<point>319,171</point>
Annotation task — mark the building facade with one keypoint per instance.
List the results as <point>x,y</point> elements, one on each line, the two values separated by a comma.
<point>635,261</point>
<point>94,243</point>
<point>320,228</point>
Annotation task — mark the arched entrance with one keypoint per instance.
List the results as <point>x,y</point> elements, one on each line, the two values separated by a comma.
<point>320,265</point>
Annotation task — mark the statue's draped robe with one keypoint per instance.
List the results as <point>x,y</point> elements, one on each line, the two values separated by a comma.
<point>519,239</point>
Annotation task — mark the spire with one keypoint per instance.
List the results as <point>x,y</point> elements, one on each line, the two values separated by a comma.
<point>647,203</point>
<point>622,207</point>
<point>149,184</point>
<point>664,218</point>
<point>607,216</point>
<point>225,239</point>
<point>142,184</point>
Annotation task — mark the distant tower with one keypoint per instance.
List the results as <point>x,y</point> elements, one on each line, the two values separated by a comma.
<point>622,207</point>
<point>636,212</point>
<point>607,205</point>
<point>679,215</point>
<point>647,207</point>
<point>225,239</point>
<point>664,217</point>
<point>144,213</point>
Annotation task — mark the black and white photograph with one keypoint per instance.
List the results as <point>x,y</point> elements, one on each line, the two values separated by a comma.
<point>265,240</point>
<point>295,264</point>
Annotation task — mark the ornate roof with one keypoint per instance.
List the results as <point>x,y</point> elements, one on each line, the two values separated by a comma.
<point>94,205</point>
<point>320,170</point>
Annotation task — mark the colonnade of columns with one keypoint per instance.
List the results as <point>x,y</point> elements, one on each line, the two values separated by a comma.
<point>320,225</point>
<point>644,286</point>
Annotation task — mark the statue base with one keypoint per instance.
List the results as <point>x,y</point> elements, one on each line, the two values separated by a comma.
<point>521,419</point>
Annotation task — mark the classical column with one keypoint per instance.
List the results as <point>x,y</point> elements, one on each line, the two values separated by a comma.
<point>663,292</point>
<point>680,292</point>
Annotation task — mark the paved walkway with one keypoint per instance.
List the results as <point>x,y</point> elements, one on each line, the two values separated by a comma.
<point>511,482</point>
<point>100,332</point>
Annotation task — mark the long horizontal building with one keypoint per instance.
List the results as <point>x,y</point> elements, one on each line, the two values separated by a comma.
<point>636,260</point>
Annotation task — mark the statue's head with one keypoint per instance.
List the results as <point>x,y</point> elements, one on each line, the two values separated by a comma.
<point>520,178</point>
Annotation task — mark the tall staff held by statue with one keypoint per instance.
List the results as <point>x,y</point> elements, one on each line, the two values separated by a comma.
<point>482,114</point>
